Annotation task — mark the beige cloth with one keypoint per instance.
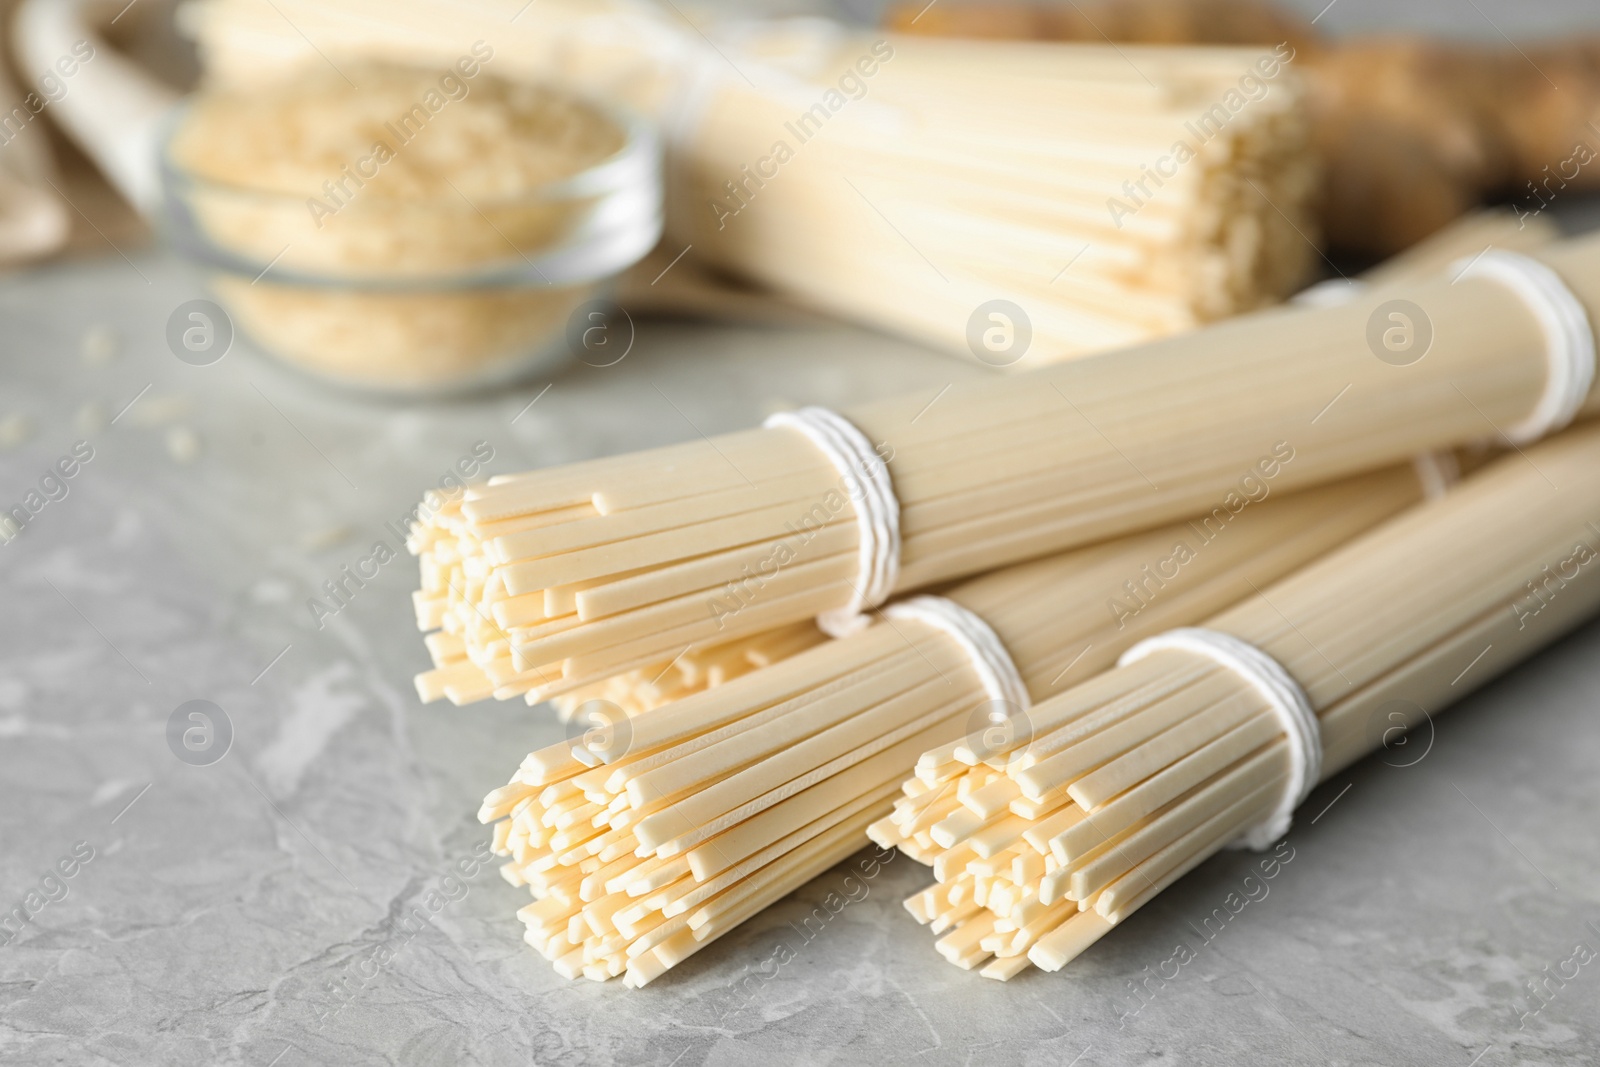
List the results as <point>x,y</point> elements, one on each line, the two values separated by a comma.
<point>34,219</point>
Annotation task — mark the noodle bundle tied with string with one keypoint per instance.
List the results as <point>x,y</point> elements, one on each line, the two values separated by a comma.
<point>655,832</point>
<point>1040,846</point>
<point>551,581</point>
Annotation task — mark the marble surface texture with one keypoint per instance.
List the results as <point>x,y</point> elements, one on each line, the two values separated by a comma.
<point>219,904</point>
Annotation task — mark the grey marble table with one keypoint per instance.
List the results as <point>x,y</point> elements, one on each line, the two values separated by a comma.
<point>235,912</point>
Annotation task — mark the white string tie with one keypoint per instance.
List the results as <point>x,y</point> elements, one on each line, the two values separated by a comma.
<point>1569,339</point>
<point>1287,700</point>
<point>867,484</point>
<point>1329,293</point>
<point>976,638</point>
<point>1439,472</point>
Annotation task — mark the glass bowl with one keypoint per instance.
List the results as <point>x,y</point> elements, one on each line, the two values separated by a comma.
<point>418,296</point>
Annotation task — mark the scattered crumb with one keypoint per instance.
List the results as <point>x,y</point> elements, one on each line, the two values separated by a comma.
<point>159,410</point>
<point>271,591</point>
<point>126,529</point>
<point>183,444</point>
<point>317,540</point>
<point>100,345</point>
<point>91,418</point>
<point>15,429</point>
<point>111,789</point>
